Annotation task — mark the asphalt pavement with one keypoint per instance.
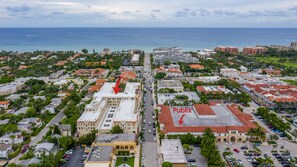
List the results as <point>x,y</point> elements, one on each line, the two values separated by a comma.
<point>150,151</point>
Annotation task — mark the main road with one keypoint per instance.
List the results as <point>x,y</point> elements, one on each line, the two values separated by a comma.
<point>150,150</point>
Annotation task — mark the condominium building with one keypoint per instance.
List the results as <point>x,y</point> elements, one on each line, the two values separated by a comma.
<point>172,70</point>
<point>206,54</point>
<point>173,55</point>
<point>254,50</point>
<point>294,45</point>
<point>108,109</point>
<point>227,49</point>
<point>135,59</point>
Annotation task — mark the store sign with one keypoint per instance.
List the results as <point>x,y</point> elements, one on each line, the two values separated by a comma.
<point>182,110</point>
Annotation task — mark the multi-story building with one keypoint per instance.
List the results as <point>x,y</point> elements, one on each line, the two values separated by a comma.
<point>254,50</point>
<point>205,79</point>
<point>294,45</point>
<point>106,51</point>
<point>171,84</point>
<point>271,72</point>
<point>135,60</point>
<point>273,95</point>
<point>172,151</point>
<point>228,123</point>
<point>172,70</point>
<point>213,89</point>
<point>227,49</point>
<point>108,109</point>
<point>5,149</point>
<point>173,55</point>
<point>229,72</point>
<point>109,145</point>
<point>97,72</point>
<point>206,54</point>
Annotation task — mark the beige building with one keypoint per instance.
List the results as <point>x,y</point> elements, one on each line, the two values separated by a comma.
<point>135,59</point>
<point>107,146</point>
<point>108,109</point>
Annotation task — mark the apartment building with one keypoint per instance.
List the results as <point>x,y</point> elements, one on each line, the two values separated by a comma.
<point>135,59</point>
<point>229,72</point>
<point>172,70</point>
<point>254,50</point>
<point>173,55</point>
<point>227,49</point>
<point>108,109</point>
<point>206,54</point>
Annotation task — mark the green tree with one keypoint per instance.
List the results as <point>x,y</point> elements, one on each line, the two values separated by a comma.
<point>88,138</point>
<point>167,63</point>
<point>167,164</point>
<point>116,129</point>
<point>31,112</point>
<point>85,51</point>
<point>160,75</point>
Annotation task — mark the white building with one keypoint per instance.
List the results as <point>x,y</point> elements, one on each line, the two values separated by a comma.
<point>23,110</point>
<point>45,148</point>
<point>109,109</point>
<point>172,151</point>
<point>205,79</point>
<point>206,54</point>
<point>229,72</point>
<point>5,149</point>
<point>12,138</point>
<point>243,69</point>
<point>135,59</point>
<point>171,84</point>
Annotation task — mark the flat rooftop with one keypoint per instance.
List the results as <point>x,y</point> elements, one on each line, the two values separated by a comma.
<point>100,154</point>
<point>108,120</point>
<point>172,151</point>
<point>222,117</point>
<point>107,138</point>
<point>126,111</point>
<point>169,83</point>
<point>163,97</point>
<point>107,90</point>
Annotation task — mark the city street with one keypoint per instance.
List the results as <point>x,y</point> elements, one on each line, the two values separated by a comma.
<point>150,151</point>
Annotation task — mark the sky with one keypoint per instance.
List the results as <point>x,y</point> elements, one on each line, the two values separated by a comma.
<point>148,13</point>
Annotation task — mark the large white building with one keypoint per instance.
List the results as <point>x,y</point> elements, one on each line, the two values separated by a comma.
<point>135,59</point>
<point>108,109</point>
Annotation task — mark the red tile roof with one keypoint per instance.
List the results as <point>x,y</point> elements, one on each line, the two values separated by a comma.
<point>165,118</point>
<point>203,109</point>
<point>196,66</point>
<point>4,102</point>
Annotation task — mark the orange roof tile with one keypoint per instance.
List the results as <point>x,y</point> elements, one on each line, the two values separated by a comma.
<point>196,66</point>
<point>4,102</point>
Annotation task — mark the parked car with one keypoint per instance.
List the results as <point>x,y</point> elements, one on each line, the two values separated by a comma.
<point>191,160</point>
<point>236,150</point>
<point>25,148</point>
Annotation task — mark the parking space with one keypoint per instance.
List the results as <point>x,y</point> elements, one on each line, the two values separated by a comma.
<point>76,159</point>
<point>200,160</point>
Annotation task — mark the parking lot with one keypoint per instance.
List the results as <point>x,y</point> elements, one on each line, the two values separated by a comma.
<point>77,158</point>
<point>200,160</point>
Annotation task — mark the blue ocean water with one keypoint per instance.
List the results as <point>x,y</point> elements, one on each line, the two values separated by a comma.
<point>30,39</point>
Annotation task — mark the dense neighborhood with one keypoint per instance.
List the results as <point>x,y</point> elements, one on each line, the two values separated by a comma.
<point>225,106</point>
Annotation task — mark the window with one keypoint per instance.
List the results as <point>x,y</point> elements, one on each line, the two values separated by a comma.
<point>106,125</point>
<point>108,120</point>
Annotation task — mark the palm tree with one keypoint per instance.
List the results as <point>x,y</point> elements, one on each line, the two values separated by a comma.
<point>12,137</point>
<point>257,133</point>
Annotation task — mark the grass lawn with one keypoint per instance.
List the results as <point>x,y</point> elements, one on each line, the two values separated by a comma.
<point>271,142</point>
<point>287,63</point>
<point>292,82</point>
<point>129,162</point>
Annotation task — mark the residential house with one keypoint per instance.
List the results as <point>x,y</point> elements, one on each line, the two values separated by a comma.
<point>5,149</point>
<point>45,148</point>
<point>65,129</point>
<point>12,138</point>
<point>27,124</point>
<point>51,107</point>
<point>4,104</point>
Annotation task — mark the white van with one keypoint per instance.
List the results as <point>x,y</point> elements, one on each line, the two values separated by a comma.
<point>149,131</point>
<point>155,139</point>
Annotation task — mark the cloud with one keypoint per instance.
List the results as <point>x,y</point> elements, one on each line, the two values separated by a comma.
<point>203,12</point>
<point>222,12</point>
<point>156,10</point>
<point>57,13</point>
<point>18,9</point>
<point>153,16</point>
<point>126,12</point>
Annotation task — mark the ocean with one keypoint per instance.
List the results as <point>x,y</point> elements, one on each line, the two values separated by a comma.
<point>189,39</point>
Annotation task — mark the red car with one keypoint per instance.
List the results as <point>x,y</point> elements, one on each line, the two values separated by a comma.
<point>25,148</point>
<point>236,150</point>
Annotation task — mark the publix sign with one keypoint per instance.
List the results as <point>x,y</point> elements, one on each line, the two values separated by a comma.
<point>182,110</point>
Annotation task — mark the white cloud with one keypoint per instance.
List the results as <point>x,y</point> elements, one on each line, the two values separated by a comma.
<point>192,13</point>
